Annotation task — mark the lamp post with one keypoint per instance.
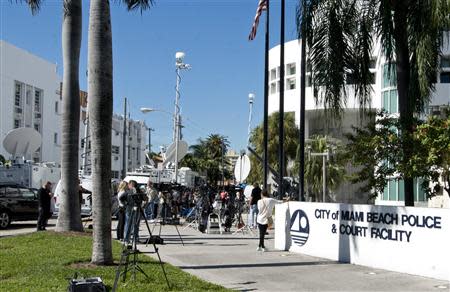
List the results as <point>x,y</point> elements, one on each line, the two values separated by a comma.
<point>325,157</point>
<point>251,99</point>
<point>179,56</point>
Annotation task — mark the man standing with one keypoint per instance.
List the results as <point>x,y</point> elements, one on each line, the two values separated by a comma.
<point>44,197</point>
<point>253,212</point>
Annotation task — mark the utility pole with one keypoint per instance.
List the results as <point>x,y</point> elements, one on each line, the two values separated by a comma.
<point>124,139</point>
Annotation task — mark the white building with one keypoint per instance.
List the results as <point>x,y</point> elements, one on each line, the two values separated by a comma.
<point>384,97</point>
<point>136,143</point>
<point>30,97</point>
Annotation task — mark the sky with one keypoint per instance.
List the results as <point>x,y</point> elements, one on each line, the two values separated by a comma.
<point>226,67</point>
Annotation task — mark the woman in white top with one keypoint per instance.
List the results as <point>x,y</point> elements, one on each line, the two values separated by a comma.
<point>265,208</point>
<point>122,198</point>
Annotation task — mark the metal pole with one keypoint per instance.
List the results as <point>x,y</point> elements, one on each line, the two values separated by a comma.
<point>150,139</point>
<point>324,170</point>
<point>266,99</point>
<point>281,119</point>
<point>251,98</point>
<point>177,125</point>
<point>302,105</point>
<point>86,135</point>
<point>124,139</point>
<point>223,176</point>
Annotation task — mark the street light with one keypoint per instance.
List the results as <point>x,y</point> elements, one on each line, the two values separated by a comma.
<point>325,157</point>
<point>251,99</point>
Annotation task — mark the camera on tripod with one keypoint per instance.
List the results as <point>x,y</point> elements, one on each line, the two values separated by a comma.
<point>137,198</point>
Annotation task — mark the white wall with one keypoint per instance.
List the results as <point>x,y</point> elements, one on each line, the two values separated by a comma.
<point>19,65</point>
<point>415,243</point>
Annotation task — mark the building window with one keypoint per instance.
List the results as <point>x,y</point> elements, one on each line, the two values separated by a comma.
<point>55,138</point>
<point>273,74</point>
<point>308,81</point>
<point>37,127</point>
<point>273,88</point>
<point>389,76</point>
<point>37,100</point>
<point>395,191</point>
<point>390,101</point>
<point>16,123</point>
<point>290,69</point>
<point>56,107</point>
<point>445,62</point>
<point>290,84</point>
<point>115,149</point>
<point>445,77</point>
<point>18,95</point>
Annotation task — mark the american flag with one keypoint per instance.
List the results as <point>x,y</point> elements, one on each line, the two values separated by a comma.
<point>262,5</point>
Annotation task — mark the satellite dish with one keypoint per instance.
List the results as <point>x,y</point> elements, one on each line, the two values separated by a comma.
<point>22,141</point>
<point>170,153</point>
<point>242,168</point>
<point>248,191</point>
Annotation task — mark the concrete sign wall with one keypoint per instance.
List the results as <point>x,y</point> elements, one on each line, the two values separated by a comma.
<point>403,239</point>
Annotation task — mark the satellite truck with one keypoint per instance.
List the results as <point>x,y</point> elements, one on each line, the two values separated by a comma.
<point>21,143</point>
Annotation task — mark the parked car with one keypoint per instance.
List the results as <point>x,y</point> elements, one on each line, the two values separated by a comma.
<point>17,203</point>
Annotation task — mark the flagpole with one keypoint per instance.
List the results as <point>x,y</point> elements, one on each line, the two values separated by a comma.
<point>302,104</point>
<point>281,116</point>
<point>266,98</point>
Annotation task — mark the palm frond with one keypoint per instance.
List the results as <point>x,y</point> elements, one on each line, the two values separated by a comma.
<point>35,5</point>
<point>138,4</point>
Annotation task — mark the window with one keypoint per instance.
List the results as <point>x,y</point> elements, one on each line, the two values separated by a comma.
<point>115,149</point>
<point>16,123</point>
<point>373,78</point>
<point>390,101</point>
<point>26,193</point>
<point>372,63</point>
<point>18,95</point>
<point>37,127</point>
<point>12,192</point>
<point>290,84</point>
<point>56,107</point>
<point>395,191</point>
<point>37,101</point>
<point>445,77</point>
<point>290,69</point>
<point>273,74</point>
<point>389,76</point>
<point>55,138</point>
<point>445,62</point>
<point>308,81</point>
<point>273,88</point>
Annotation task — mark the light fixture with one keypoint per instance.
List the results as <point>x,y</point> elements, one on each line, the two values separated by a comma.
<point>145,110</point>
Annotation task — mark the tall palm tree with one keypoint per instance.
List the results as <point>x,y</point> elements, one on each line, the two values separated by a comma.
<point>341,34</point>
<point>69,218</point>
<point>100,91</point>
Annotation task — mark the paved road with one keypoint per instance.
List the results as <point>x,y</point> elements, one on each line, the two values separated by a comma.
<point>232,261</point>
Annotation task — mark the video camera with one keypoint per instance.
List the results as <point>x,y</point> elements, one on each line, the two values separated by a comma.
<point>136,198</point>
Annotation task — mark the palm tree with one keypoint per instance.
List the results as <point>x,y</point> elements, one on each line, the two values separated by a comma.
<point>100,90</point>
<point>340,35</point>
<point>291,133</point>
<point>69,218</point>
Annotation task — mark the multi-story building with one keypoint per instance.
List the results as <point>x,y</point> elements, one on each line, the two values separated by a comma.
<point>135,149</point>
<point>384,97</point>
<point>30,97</point>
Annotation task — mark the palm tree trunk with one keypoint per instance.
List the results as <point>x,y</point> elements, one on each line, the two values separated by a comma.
<point>405,101</point>
<point>69,218</point>
<point>100,90</point>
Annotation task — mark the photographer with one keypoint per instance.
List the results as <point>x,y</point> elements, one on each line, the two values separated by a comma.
<point>134,199</point>
<point>122,198</point>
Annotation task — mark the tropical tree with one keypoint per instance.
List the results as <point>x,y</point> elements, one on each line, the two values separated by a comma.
<point>100,91</point>
<point>291,133</point>
<point>334,167</point>
<point>69,217</point>
<point>341,34</point>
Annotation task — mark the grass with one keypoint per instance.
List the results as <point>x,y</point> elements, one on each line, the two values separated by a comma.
<point>44,261</point>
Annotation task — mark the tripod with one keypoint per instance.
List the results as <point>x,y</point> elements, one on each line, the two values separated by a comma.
<point>164,221</point>
<point>129,249</point>
<point>245,227</point>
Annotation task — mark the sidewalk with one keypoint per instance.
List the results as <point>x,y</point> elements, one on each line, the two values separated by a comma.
<point>233,262</point>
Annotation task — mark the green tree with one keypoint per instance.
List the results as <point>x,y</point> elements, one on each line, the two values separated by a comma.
<point>100,90</point>
<point>69,217</point>
<point>291,133</point>
<point>335,166</point>
<point>340,35</point>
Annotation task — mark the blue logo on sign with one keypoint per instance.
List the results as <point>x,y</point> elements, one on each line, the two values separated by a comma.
<point>299,227</point>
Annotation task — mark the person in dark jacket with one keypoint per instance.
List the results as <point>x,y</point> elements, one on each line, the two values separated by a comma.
<point>44,197</point>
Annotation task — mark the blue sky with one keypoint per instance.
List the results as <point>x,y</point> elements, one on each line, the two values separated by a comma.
<point>213,34</point>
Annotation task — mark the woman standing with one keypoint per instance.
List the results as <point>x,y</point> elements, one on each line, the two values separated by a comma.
<point>122,198</point>
<point>265,208</point>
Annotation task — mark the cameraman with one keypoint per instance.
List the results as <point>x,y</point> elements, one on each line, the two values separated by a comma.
<point>134,199</point>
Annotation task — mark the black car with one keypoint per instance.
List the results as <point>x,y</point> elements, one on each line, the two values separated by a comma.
<point>17,203</point>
